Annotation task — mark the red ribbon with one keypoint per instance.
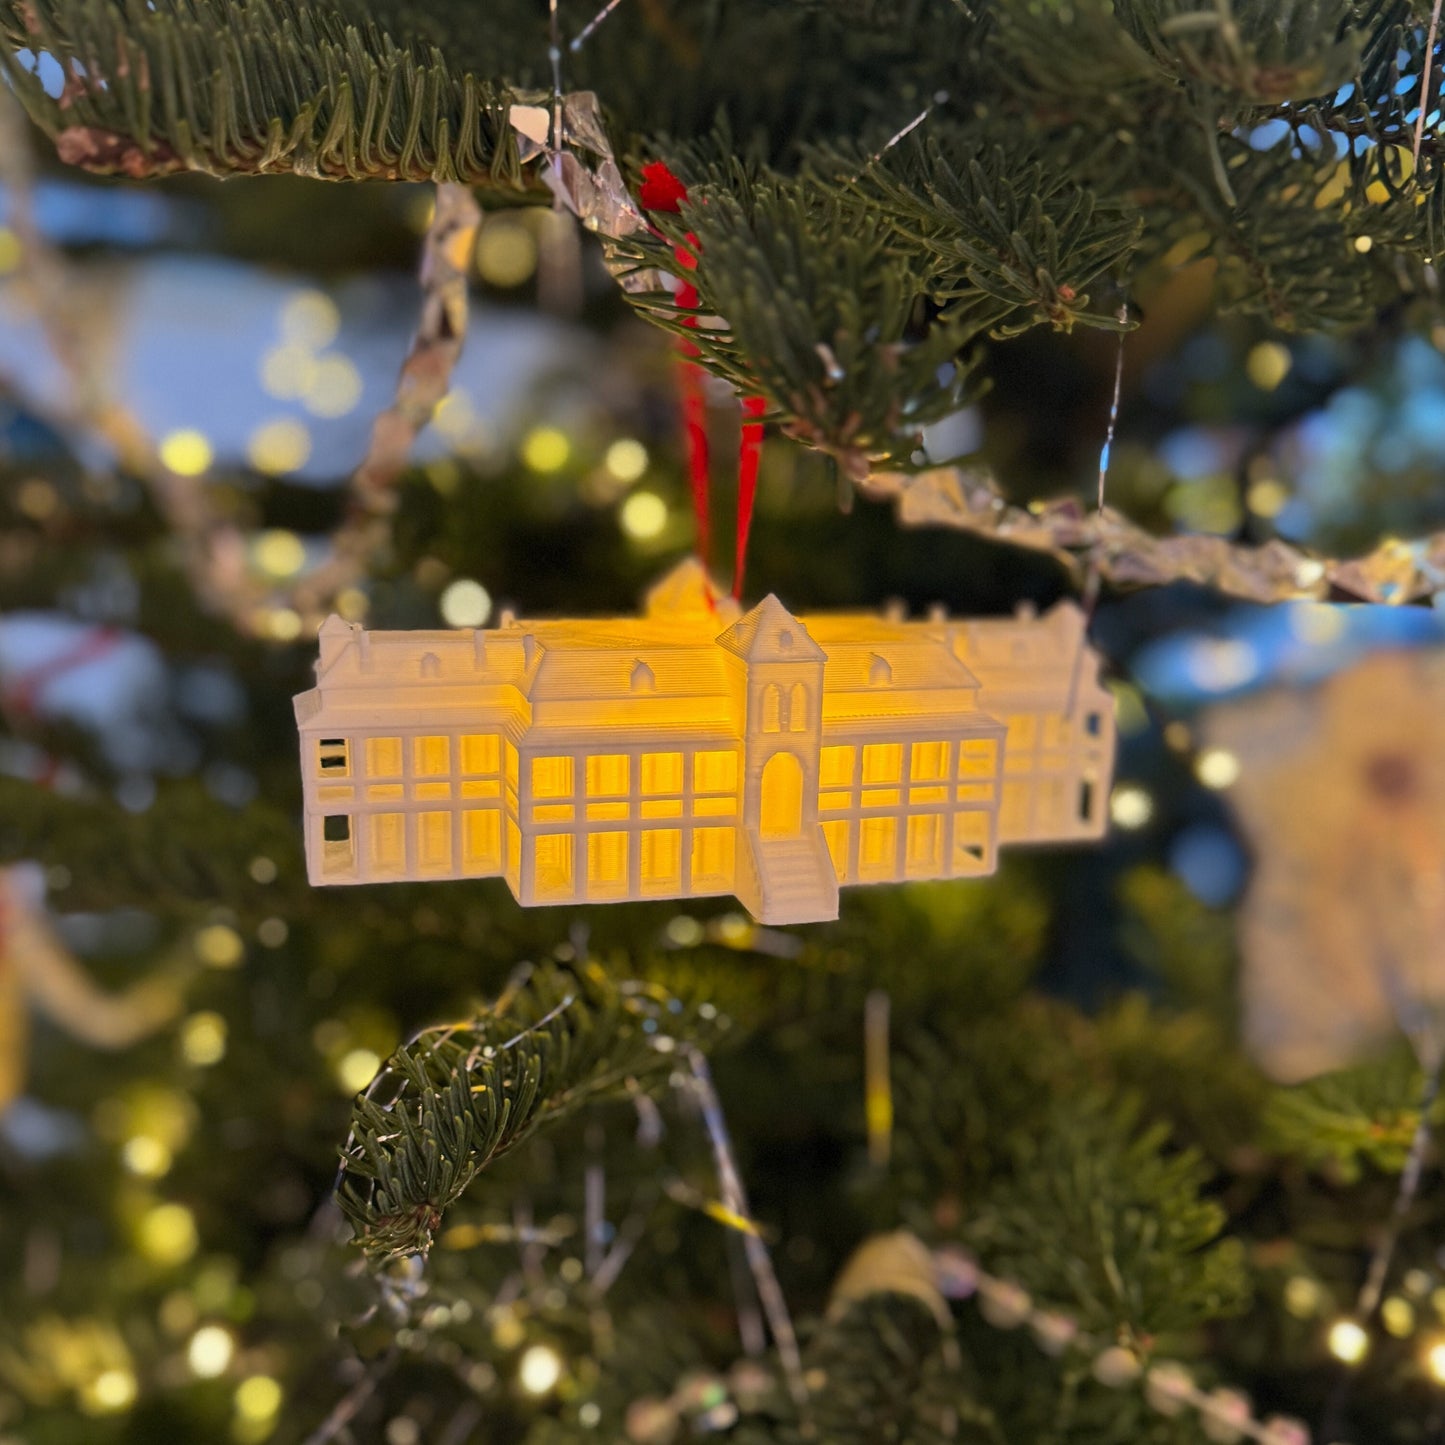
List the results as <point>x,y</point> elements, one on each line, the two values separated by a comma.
<point>750,454</point>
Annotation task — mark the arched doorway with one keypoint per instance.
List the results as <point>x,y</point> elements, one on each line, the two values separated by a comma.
<point>781,815</point>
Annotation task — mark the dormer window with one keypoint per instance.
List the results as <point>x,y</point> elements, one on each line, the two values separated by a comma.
<point>332,757</point>
<point>880,671</point>
<point>431,665</point>
<point>643,678</point>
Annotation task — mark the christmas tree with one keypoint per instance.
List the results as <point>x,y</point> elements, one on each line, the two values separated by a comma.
<point>1129,306</point>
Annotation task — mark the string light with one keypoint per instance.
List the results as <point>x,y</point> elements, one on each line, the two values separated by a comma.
<point>187,453</point>
<point>219,946</point>
<point>146,1156</point>
<point>1348,1342</point>
<point>643,516</point>
<point>334,387</point>
<point>310,318</point>
<point>167,1234</point>
<point>540,1369</point>
<point>546,449</point>
<point>279,553</point>
<point>465,603</point>
<point>203,1039</point>
<point>1217,768</point>
<point>1130,806</point>
<point>279,446</point>
<point>111,1392</point>
<point>1268,364</point>
<point>287,371</point>
<point>210,1351</point>
<point>1435,1360</point>
<point>258,1398</point>
<point>626,459</point>
<point>1398,1317</point>
<point>356,1069</point>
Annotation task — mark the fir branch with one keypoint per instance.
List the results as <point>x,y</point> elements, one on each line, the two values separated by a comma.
<point>458,1097</point>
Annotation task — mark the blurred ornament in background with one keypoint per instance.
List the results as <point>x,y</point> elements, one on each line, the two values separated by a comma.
<point>1341,791</point>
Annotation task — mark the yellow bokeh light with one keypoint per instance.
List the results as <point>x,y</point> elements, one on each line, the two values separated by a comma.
<point>453,416</point>
<point>311,319</point>
<point>1217,768</point>
<point>258,1398</point>
<point>466,603</point>
<point>284,624</point>
<point>210,1351</point>
<point>506,252</point>
<point>540,1369</point>
<point>1348,1342</point>
<point>10,250</point>
<point>167,1234</point>
<point>356,1069</point>
<point>1303,1297</point>
<point>545,449</point>
<point>110,1392</point>
<point>1398,1317</point>
<point>286,371</point>
<point>1435,1361</point>
<point>279,553</point>
<point>219,946</point>
<point>334,387</point>
<point>1363,244</point>
<point>352,603</point>
<point>1268,364</point>
<point>203,1039</point>
<point>643,516</point>
<point>37,499</point>
<point>1130,806</point>
<point>186,452</point>
<point>1267,498</point>
<point>146,1156</point>
<point>626,459</point>
<point>279,446</point>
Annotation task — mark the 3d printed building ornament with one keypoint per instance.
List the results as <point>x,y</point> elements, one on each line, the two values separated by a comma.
<point>699,751</point>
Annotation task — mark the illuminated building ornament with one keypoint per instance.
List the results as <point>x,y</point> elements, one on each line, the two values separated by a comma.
<point>699,750</point>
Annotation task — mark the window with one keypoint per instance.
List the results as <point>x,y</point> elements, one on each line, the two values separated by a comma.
<point>929,762</point>
<point>835,767</point>
<point>883,763</point>
<point>798,708</point>
<point>434,841</point>
<point>1023,731</point>
<point>925,845</point>
<point>481,753</point>
<point>552,865</point>
<point>1013,817</point>
<point>512,766</point>
<point>383,757</point>
<point>1086,800</point>
<point>772,708</point>
<point>332,760</point>
<point>977,758</point>
<point>388,842</point>
<point>972,840</point>
<point>608,775</point>
<point>662,772</point>
<point>431,758</point>
<point>338,847</point>
<point>661,861</point>
<point>713,858</point>
<point>833,801</point>
<point>877,848</point>
<point>552,777</point>
<point>481,840</point>
<point>715,773</point>
<point>882,797</point>
<point>835,834</point>
<point>606,865</point>
<point>1094,724</point>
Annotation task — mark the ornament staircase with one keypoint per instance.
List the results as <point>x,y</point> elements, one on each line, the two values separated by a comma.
<point>792,879</point>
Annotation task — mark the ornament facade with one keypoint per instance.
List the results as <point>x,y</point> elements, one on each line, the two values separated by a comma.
<point>695,751</point>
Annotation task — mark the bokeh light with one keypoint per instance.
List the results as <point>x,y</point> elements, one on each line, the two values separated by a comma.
<point>219,946</point>
<point>279,553</point>
<point>311,319</point>
<point>10,250</point>
<point>356,1068</point>
<point>643,516</point>
<point>1267,364</point>
<point>146,1156</point>
<point>210,1351</point>
<point>1435,1361</point>
<point>1348,1341</point>
<point>1217,768</point>
<point>546,449</point>
<point>287,371</point>
<point>203,1039</point>
<point>187,452</point>
<point>506,251</point>
<point>167,1234</point>
<point>258,1398</point>
<point>1130,806</point>
<point>334,387</point>
<point>626,459</point>
<point>540,1369</point>
<point>279,446</point>
<point>111,1392</point>
<point>465,603</point>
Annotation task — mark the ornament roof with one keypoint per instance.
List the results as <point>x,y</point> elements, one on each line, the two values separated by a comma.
<point>770,633</point>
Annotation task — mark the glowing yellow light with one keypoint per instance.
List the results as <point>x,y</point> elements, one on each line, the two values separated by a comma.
<point>546,449</point>
<point>210,1351</point>
<point>508,1331</point>
<point>1130,806</point>
<point>643,516</point>
<point>540,1369</point>
<point>1363,244</point>
<point>466,603</point>
<point>219,946</point>
<point>1302,1297</point>
<point>279,553</point>
<point>626,459</point>
<point>145,1155</point>
<point>1268,364</point>
<point>37,499</point>
<point>352,603</point>
<point>1398,1316</point>
<point>356,1069</point>
<point>1435,1361</point>
<point>506,252</point>
<point>10,249</point>
<point>284,624</point>
<point>1267,498</point>
<point>110,1392</point>
<point>279,446</point>
<point>258,1398</point>
<point>187,453</point>
<point>1348,1342</point>
<point>311,319</point>
<point>334,389</point>
<point>167,1234</point>
<point>453,416</point>
<point>1217,768</point>
<point>286,372</point>
<point>203,1039</point>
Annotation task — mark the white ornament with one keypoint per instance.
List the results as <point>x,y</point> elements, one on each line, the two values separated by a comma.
<point>695,751</point>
